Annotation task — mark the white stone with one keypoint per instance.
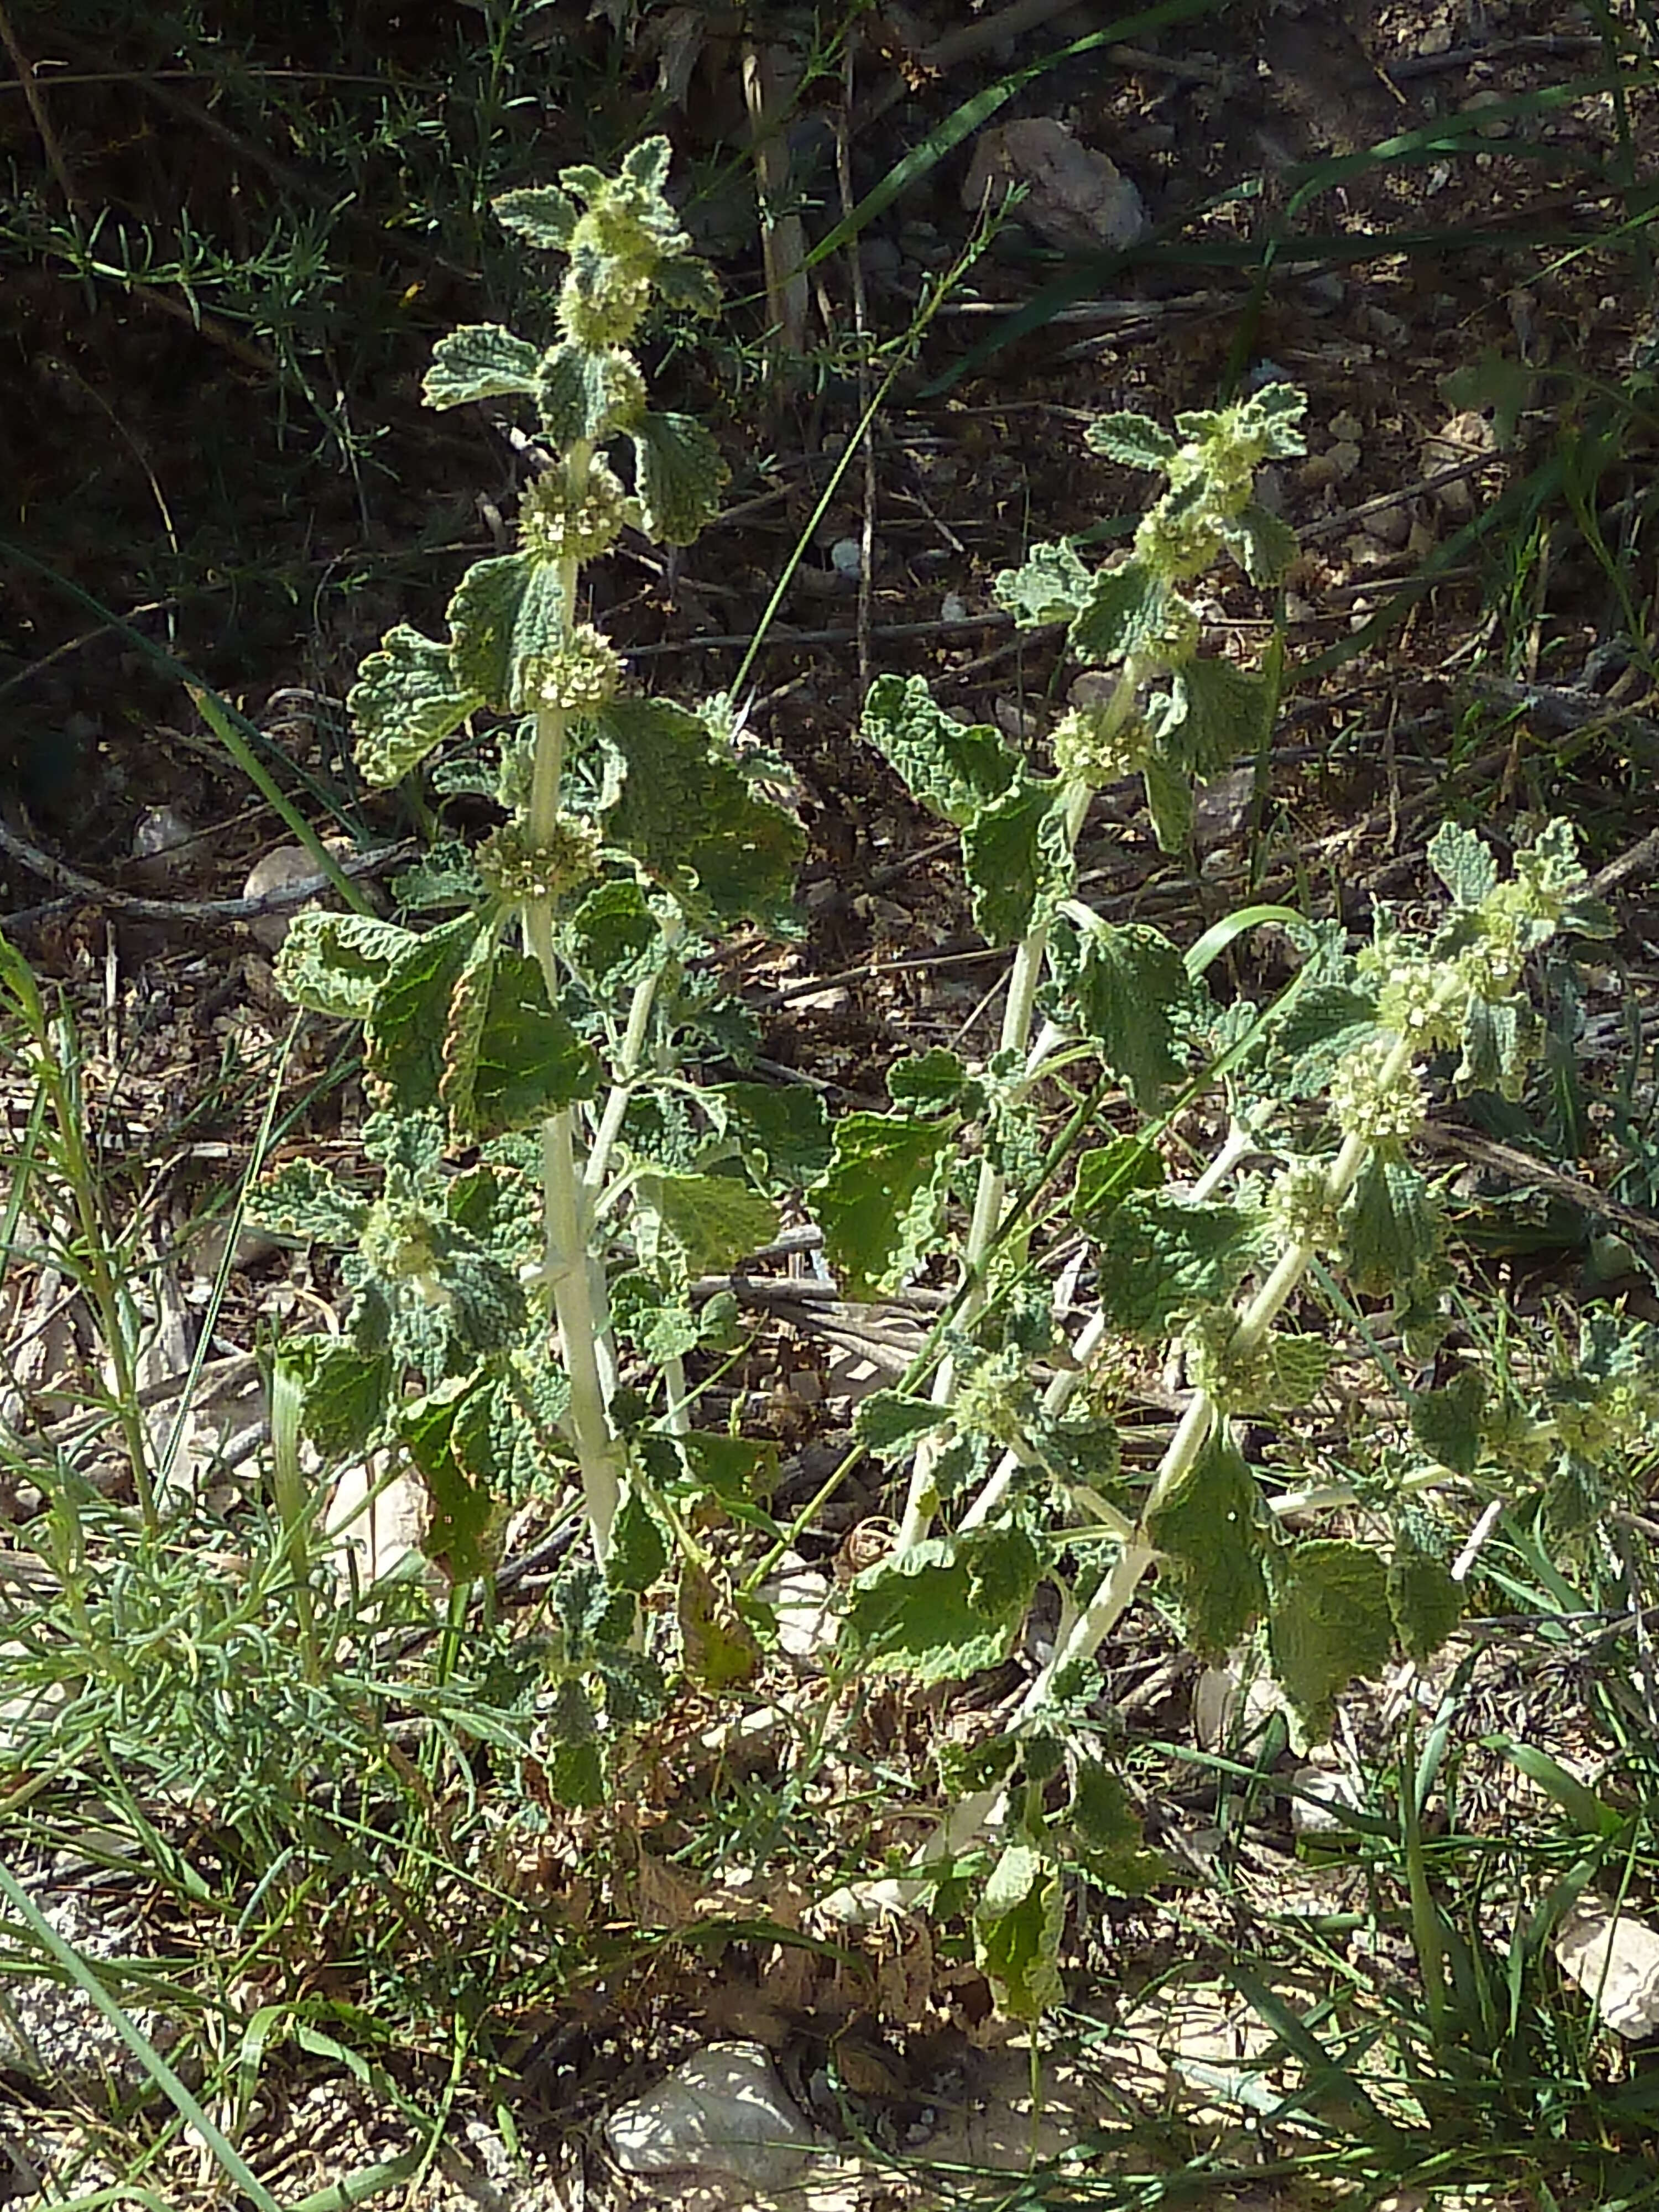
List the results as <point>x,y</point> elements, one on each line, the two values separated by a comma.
<point>723,2111</point>
<point>802,1599</point>
<point>1326,1792</point>
<point>1075,198</point>
<point>1614,1959</point>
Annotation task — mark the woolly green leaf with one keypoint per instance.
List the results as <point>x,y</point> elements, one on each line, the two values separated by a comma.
<point>953,768</point>
<point>505,620</point>
<point>878,1200</point>
<point>1424,1601</point>
<point>305,1200</point>
<point>1329,1621</point>
<point>346,1393</point>
<point>1124,612</point>
<point>1294,1368</point>
<point>947,1607</point>
<point>680,474</point>
<point>1170,803</point>
<point>933,1081</point>
<point>780,1129</point>
<point>1106,1175</point>
<point>1215,712</point>
<point>543,216</point>
<point>712,1221</point>
<point>407,698</point>
<point>1446,1422</point>
<point>739,1472</point>
<point>506,1436</point>
<point>613,940</point>
<point>656,1318</point>
<point>638,1550</point>
<point>513,1057</point>
<point>1108,1833</point>
<point>1266,544</point>
<point>1392,1227</point>
<point>334,963</point>
<point>719,1648</point>
<point>405,1036</point>
<point>584,393</point>
<point>1500,1043</point>
<point>892,1422</point>
<point>1017,1936</point>
<point>1018,859</point>
<point>1208,1530</point>
<point>1161,1260</point>
<point>686,281</point>
<point>1130,987</point>
<point>1464,864</point>
<point>1322,1025</point>
<point>481,361</point>
<point>1051,585</point>
<point>1134,439</point>
<point>456,1536</point>
<point>687,814</point>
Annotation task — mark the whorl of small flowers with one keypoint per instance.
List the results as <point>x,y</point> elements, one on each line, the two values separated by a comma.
<point>520,872</point>
<point>993,1402</point>
<point>560,527</point>
<point>1369,1099</point>
<point>1235,1383</point>
<point>397,1246</point>
<point>582,675</point>
<point>1491,967</point>
<point>1299,1209</point>
<point>602,300</point>
<point>1093,746</point>
<point>1412,998</point>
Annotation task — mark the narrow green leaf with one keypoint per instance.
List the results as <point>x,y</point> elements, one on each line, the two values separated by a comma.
<point>954,768</point>
<point>879,1199</point>
<point>481,361</point>
<point>1209,1532</point>
<point>1329,1621</point>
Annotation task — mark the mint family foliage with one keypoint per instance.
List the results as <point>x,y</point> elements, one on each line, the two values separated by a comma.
<point>548,1031</point>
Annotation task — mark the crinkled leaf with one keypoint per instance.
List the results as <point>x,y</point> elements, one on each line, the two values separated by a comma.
<point>1134,439</point>
<point>1169,802</point>
<point>1446,1422</point>
<point>1464,864</point>
<point>505,620</point>
<point>639,1549</point>
<point>1500,1043</point>
<point>1049,586</point>
<point>658,1320</point>
<point>780,1129</point>
<point>408,696</point>
<point>1125,613</point>
<point>892,1422</point>
<point>1329,1621</point>
<point>1424,1602</point>
<point>933,1081</point>
<point>718,1646</point>
<point>1108,1174</point>
<point>445,875</point>
<point>949,1606</point>
<point>456,1536</point>
<point>1130,987</point>
<point>1265,543</point>
<point>1322,1025</point>
<point>712,1221</point>
<point>1107,1832</point>
<point>1017,1937</point>
<point>334,963</point>
<point>680,476</point>
<point>953,768</point>
<point>1161,1260</point>
<point>480,360</point>
<point>686,281</point>
<point>346,1393</point>
<point>688,815</point>
<point>1295,1368</point>
<point>1018,859</point>
<point>543,216</point>
<point>614,941</point>
<point>1209,1532</point>
<point>404,1037</point>
<point>739,1472</point>
<point>305,1200</point>
<point>584,393</point>
<point>1391,1227</point>
<point>513,1057</point>
<point>1216,712</point>
<point>878,1200</point>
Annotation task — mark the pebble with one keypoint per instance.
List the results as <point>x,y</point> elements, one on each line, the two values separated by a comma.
<point>724,2111</point>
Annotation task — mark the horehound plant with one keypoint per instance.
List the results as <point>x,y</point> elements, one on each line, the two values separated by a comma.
<point>1326,1087</point>
<point>542,1026</point>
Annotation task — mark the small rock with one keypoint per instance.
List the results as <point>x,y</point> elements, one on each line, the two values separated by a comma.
<point>723,2111</point>
<point>1016,721</point>
<point>55,2033</point>
<point>1348,427</point>
<point>1344,458</point>
<point>1501,126</point>
<point>1219,806</point>
<point>1315,1813</point>
<point>1465,438</point>
<point>954,608</point>
<point>1614,1959</point>
<point>283,865</point>
<point>847,557</point>
<point>801,1599</point>
<point>1076,199</point>
<point>1230,1707</point>
<point>160,845</point>
<point>1391,524</point>
<point>1323,294</point>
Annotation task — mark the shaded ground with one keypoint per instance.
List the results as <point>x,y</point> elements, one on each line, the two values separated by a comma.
<point>257,494</point>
